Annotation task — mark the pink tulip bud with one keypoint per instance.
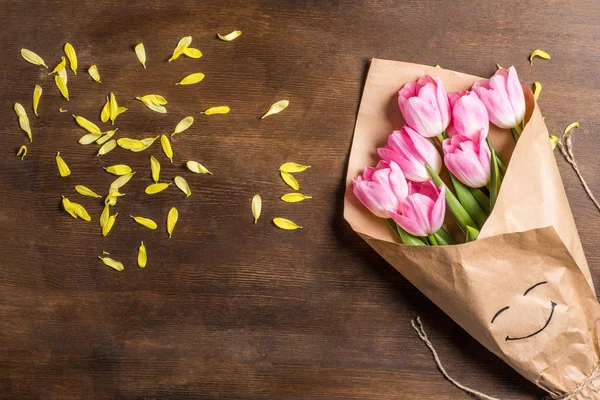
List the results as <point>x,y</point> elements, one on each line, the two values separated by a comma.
<point>411,152</point>
<point>381,188</point>
<point>468,160</point>
<point>469,115</point>
<point>424,105</point>
<point>503,97</point>
<point>423,210</point>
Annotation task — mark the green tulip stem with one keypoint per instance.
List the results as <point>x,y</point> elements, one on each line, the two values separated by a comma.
<point>433,240</point>
<point>404,236</point>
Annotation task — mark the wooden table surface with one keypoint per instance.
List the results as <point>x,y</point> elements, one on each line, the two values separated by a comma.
<point>227,309</point>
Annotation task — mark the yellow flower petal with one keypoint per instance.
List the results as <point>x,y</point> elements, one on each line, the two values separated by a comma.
<point>129,144</point>
<point>111,198</point>
<point>106,136</point>
<point>197,167</point>
<point>85,191</point>
<point>109,224</point>
<point>286,224</point>
<point>61,65</point>
<point>290,180</point>
<point>217,110</point>
<point>553,141</point>
<point>22,152</point>
<point>81,212</point>
<point>62,86</point>
<point>118,169</point>
<point>88,138</point>
<point>156,188</point>
<point>87,125</point>
<point>183,44</point>
<point>154,102</point>
<point>183,125</point>
<point>142,255</point>
<point>172,220</point>
<point>107,147</point>
<point>192,53</point>
<point>191,79</point>
<point>230,36</point>
<point>93,71</point>
<point>294,197</point>
<point>32,58</point>
<point>68,206</point>
<point>121,181</point>
<point>105,216</point>
<point>105,114</point>
<point>155,167</point>
<point>147,222</point>
<point>140,52</point>
<point>537,89</point>
<point>72,56</point>
<point>293,167</point>
<point>62,110</point>
<point>166,146</point>
<point>113,107</point>
<point>276,108</point>
<point>37,93</point>
<point>112,263</point>
<point>538,53</point>
<point>63,168</point>
<point>183,185</point>
<point>143,144</point>
<point>256,207</point>
<point>63,74</point>
<point>23,120</point>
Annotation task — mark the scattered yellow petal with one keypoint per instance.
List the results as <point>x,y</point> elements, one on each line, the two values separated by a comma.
<point>276,108</point>
<point>217,110</point>
<point>538,53</point>
<point>63,168</point>
<point>284,223</point>
<point>32,58</point>
<point>143,144</point>
<point>112,263</point>
<point>104,216</point>
<point>197,167</point>
<point>113,107</point>
<point>554,141</point>
<point>37,93</point>
<point>192,52</point>
<point>571,126</point>
<point>105,253</point>
<point>155,167</point>
<point>537,89</point>
<point>111,198</point>
<point>62,86</point>
<point>109,224</point>
<point>62,110</point>
<point>140,52</point>
<point>81,212</point>
<point>230,36</point>
<point>121,110</point>
<point>256,207</point>
<point>293,167</point>
<point>294,197</point>
<point>147,222</point>
<point>106,136</point>
<point>85,191</point>
<point>290,180</point>
<point>63,74</point>
<point>166,146</point>
<point>23,120</point>
<point>154,102</point>
<point>61,65</point>
<point>129,144</point>
<point>87,125</point>
<point>105,114</point>
<point>142,255</point>
<point>70,52</point>
<point>22,152</point>
<point>191,79</point>
<point>68,206</point>
<point>88,138</point>
<point>172,220</point>
<point>183,125</point>
<point>107,147</point>
<point>121,181</point>
<point>183,44</point>
<point>118,169</point>
<point>93,71</point>
<point>156,188</point>
<point>183,185</point>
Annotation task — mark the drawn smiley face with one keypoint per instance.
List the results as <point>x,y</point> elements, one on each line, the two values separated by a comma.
<point>545,325</point>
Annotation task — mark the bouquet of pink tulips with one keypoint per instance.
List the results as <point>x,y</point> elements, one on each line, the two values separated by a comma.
<point>506,262</point>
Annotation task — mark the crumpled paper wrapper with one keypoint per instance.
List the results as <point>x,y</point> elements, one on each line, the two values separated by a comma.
<point>523,289</point>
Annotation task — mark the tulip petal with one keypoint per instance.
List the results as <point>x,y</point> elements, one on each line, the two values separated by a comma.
<point>408,225</point>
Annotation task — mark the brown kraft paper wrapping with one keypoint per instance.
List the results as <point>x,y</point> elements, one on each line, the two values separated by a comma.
<point>527,271</point>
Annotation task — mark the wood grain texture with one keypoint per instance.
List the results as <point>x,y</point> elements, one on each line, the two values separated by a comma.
<point>227,309</point>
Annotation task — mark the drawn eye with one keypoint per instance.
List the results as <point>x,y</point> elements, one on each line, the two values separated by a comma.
<point>500,311</point>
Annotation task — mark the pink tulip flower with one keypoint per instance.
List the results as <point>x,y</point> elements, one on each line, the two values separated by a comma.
<point>503,97</point>
<point>381,188</point>
<point>468,160</point>
<point>423,210</point>
<point>469,115</point>
<point>424,105</point>
<point>411,152</point>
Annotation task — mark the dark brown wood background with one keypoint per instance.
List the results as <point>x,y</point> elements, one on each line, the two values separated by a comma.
<point>227,309</point>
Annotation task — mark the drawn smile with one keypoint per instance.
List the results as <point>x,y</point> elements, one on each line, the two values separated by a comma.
<point>553,306</point>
